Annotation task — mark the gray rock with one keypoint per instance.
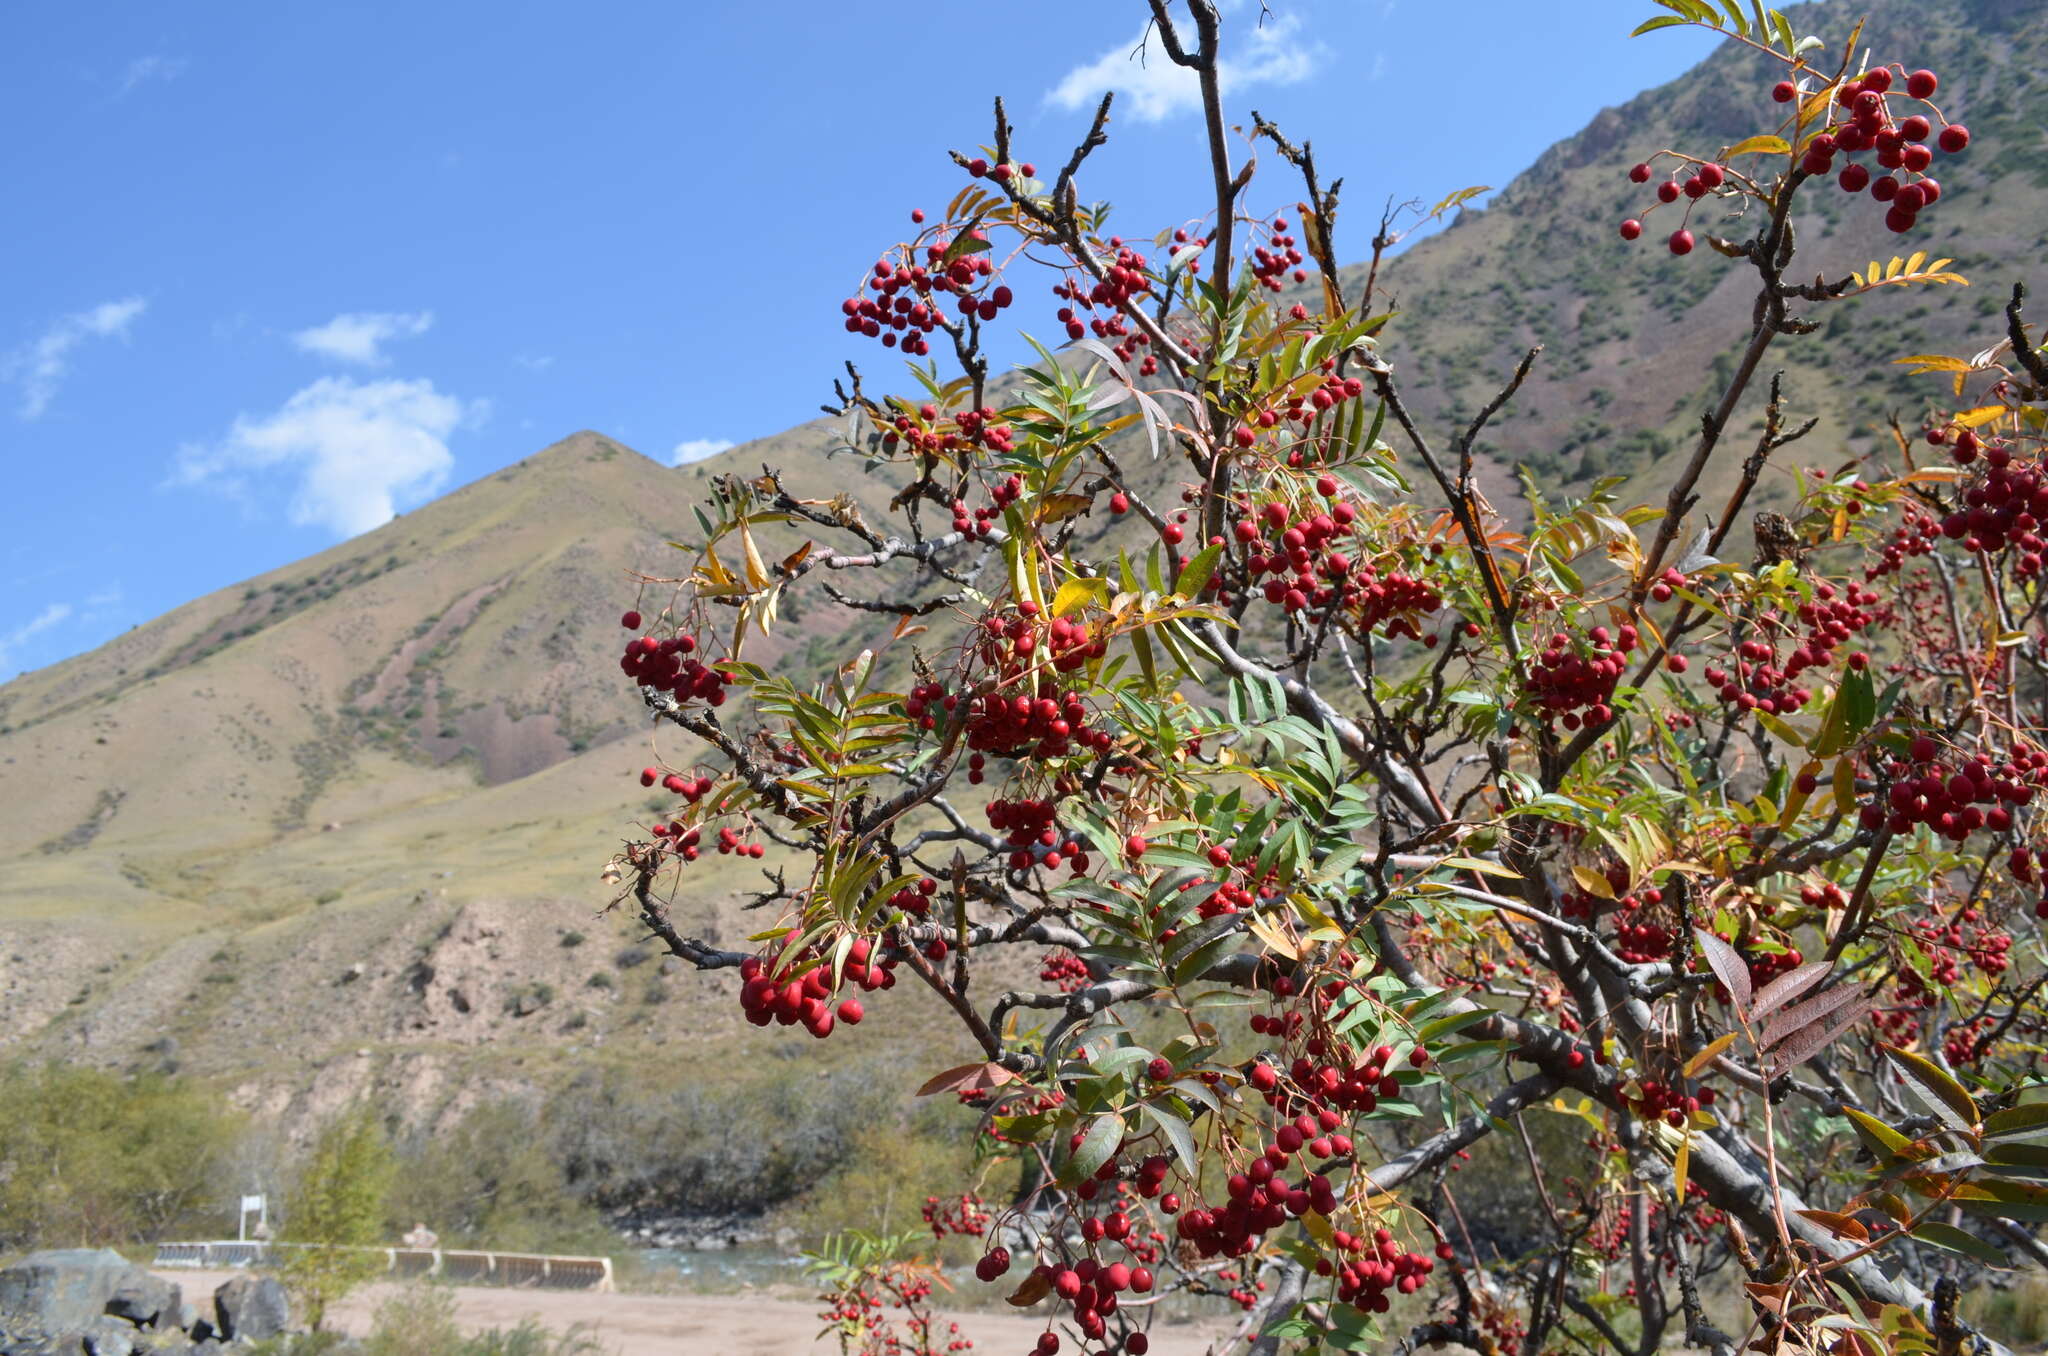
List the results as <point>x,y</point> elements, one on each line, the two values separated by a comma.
<point>109,1337</point>
<point>188,1314</point>
<point>251,1308</point>
<point>63,1290</point>
<point>147,1301</point>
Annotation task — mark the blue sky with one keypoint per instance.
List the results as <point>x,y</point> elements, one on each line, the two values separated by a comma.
<point>277,271</point>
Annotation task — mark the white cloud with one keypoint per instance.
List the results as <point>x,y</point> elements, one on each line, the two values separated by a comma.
<point>358,449</point>
<point>696,449</point>
<point>39,367</point>
<point>142,70</point>
<point>359,336</point>
<point>29,630</point>
<point>534,363</point>
<point>1150,87</point>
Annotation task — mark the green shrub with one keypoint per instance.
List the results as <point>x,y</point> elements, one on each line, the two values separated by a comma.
<point>93,1158</point>
<point>337,1210</point>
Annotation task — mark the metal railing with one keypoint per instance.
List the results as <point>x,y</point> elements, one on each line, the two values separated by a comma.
<point>461,1266</point>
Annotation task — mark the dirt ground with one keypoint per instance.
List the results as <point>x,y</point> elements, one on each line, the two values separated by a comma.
<point>744,1324</point>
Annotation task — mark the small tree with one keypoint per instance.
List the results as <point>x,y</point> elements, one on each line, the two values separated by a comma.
<point>336,1212</point>
<point>1355,825</point>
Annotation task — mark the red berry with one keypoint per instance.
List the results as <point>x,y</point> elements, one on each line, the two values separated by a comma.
<point>1631,228</point>
<point>1119,503</point>
<point>1135,845</point>
<point>1954,137</point>
<point>1922,84</point>
<point>1681,242</point>
<point>917,215</point>
<point>1784,91</point>
<point>850,1012</point>
<point>631,621</point>
<point>1639,175</point>
<point>1676,663</point>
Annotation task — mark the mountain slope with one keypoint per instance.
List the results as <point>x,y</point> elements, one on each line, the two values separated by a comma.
<point>410,753</point>
<point>1637,340</point>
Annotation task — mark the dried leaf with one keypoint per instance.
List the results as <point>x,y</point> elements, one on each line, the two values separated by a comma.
<point>967,1078</point>
<point>1728,967</point>
<point>1787,987</point>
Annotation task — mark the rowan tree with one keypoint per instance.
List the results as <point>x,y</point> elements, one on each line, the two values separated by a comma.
<point>1347,819</point>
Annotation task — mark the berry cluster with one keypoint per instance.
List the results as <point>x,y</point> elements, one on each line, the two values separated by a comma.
<point>2004,507</point>
<point>1672,1104</point>
<point>1296,549</point>
<point>1064,970</point>
<point>971,429</point>
<point>1032,827</point>
<point>1569,677</point>
<point>963,1214</point>
<point>806,997</point>
<point>1864,121</point>
<point>1759,682</point>
<point>1005,493</point>
<point>666,666</point>
<point>905,309</point>
<point>1270,266</point>
<point>1949,796</point>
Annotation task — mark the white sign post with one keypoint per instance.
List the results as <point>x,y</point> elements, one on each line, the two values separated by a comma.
<point>260,1205</point>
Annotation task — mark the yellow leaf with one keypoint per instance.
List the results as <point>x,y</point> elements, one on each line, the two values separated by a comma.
<point>1934,362</point>
<point>757,570</point>
<point>1274,938</point>
<point>1593,882</point>
<point>1482,866</point>
<point>1678,1169</point>
<point>1761,145</point>
<point>1706,1056</point>
<point>1077,593</point>
<point>1978,417</point>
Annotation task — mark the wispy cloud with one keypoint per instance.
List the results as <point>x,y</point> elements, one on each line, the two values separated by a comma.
<point>39,367</point>
<point>540,362</point>
<point>1151,88</point>
<point>143,69</point>
<point>357,450</point>
<point>12,640</point>
<point>696,449</point>
<point>359,336</point>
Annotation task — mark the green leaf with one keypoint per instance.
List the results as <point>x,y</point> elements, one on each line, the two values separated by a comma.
<point>1177,1134</point>
<point>1882,1141</point>
<point>1943,1095</point>
<point>1652,25</point>
<point>1444,1026</point>
<point>1202,565</point>
<point>2028,1118</point>
<point>1096,1146</point>
<point>1957,1240</point>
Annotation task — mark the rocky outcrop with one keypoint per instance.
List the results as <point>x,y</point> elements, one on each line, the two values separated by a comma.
<point>95,1302</point>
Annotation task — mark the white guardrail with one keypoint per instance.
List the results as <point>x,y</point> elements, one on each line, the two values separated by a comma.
<point>459,1267</point>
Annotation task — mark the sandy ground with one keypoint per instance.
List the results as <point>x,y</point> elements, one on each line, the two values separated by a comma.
<point>710,1325</point>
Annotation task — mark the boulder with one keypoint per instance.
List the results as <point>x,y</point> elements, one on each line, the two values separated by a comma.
<point>251,1308</point>
<point>108,1337</point>
<point>147,1301</point>
<point>63,1290</point>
